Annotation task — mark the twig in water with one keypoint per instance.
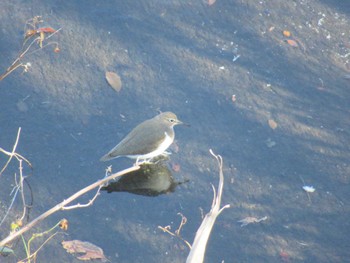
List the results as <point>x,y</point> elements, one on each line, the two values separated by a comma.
<point>19,187</point>
<point>64,203</point>
<point>177,231</point>
<point>13,154</point>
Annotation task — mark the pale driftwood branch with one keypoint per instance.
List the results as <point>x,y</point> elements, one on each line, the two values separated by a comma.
<point>11,154</point>
<point>200,241</point>
<point>65,202</point>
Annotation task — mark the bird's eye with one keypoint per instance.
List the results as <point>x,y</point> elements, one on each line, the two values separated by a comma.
<point>171,120</point>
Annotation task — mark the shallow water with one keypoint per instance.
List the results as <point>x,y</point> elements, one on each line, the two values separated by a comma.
<point>189,58</point>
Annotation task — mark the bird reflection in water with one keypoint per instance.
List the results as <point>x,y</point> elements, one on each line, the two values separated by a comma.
<point>152,179</point>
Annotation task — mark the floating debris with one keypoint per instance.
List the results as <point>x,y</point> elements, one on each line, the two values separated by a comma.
<point>89,251</point>
<point>309,189</point>
<point>286,33</point>
<point>233,98</point>
<point>235,58</point>
<point>249,220</point>
<point>114,80</point>
<point>272,124</point>
<point>292,43</point>
<point>64,224</point>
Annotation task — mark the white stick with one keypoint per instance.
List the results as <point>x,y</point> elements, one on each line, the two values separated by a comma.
<point>201,239</point>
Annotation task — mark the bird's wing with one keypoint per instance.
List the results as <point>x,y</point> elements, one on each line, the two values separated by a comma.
<point>133,144</point>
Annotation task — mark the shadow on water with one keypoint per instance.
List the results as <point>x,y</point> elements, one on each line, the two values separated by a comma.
<point>149,180</point>
<point>179,56</point>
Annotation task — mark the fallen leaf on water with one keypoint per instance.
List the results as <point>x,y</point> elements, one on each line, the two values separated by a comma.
<point>292,43</point>
<point>286,33</point>
<point>114,80</point>
<point>89,251</point>
<point>272,124</point>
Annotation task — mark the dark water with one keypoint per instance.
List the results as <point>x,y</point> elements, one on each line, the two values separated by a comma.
<point>178,56</point>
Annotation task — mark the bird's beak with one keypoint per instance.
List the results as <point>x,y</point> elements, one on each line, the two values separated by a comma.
<point>183,123</point>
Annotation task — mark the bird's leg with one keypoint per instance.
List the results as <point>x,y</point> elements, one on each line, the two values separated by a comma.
<point>165,153</point>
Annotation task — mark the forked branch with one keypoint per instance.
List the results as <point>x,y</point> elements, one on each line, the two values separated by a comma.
<point>200,241</point>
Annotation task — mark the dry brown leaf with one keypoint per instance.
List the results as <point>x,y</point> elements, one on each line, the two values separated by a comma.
<point>286,33</point>
<point>114,80</point>
<point>89,251</point>
<point>64,224</point>
<point>272,124</point>
<point>292,42</point>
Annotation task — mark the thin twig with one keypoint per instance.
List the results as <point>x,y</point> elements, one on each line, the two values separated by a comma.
<point>22,178</point>
<point>177,231</point>
<point>78,205</point>
<point>19,184</point>
<point>43,244</point>
<point>12,153</point>
<point>25,48</point>
<point>11,204</point>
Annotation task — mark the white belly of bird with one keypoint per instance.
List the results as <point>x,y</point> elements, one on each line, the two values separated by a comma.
<point>165,144</point>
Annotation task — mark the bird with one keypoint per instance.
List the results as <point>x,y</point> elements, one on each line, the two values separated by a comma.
<point>147,140</point>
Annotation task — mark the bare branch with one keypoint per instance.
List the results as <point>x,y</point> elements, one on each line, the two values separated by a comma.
<point>202,236</point>
<point>65,202</point>
<point>11,154</point>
